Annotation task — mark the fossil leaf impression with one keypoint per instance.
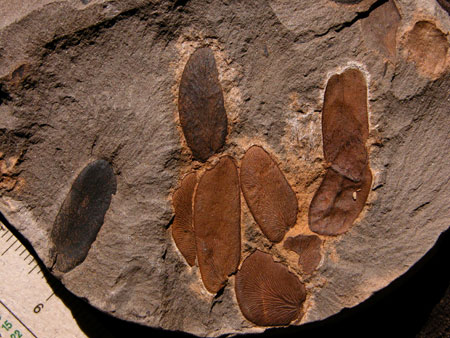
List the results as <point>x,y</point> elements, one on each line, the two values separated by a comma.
<point>380,29</point>
<point>308,250</point>
<point>427,47</point>
<point>338,202</point>
<point>345,126</point>
<point>200,105</point>
<point>269,196</point>
<point>345,129</point>
<point>268,294</point>
<point>82,214</point>
<point>217,228</point>
<point>182,228</point>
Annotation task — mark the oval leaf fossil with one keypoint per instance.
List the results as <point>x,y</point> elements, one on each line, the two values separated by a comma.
<point>345,126</point>
<point>200,105</point>
<point>380,29</point>
<point>428,47</point>
<point>308,250</point>
<point>268,294</point>
<point>82,214</point>
<point>269,196</point>
<point>182,228</point>
<point>338,202</point>
<point>217,227</point>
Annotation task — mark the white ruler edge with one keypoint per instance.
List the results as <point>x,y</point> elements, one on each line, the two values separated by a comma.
<point>28,305</point>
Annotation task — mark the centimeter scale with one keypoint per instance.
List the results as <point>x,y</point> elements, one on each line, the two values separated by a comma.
<point>32,302</point>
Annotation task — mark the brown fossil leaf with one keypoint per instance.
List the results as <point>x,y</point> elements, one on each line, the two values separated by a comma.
<point>445,5</point>
<point>217,227</point>
<point>82,213</point>
<point>269,196</point>
<point>345,126</point>
<point>200,105</point>
<point>308,250</point>
<point>427,47</point>
<point>380,29</point>
<point>338,202</point>
<point>182,228</point>
<point>267,293</point>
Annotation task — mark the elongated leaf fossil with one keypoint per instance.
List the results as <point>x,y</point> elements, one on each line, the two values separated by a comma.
<point>200,105</point>
<point>81,215</point>
<point>217,217</point>
<point>269,196</point>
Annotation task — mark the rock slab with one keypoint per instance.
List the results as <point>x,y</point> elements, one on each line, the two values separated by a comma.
<point>87,81</point>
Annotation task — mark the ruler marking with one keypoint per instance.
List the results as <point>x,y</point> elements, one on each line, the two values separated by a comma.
<point>27,257</point>
<point>32,260</point>
<point>19,246</point>
<point>6,232</point>
<point>18,319</point>
<point>33,269</point>
<point>9,247</point>
<point>50,296</point>
<point>9,238</point>
<point>23,251</point>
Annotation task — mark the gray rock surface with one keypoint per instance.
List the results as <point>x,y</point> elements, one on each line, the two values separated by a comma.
<point>87,80</point>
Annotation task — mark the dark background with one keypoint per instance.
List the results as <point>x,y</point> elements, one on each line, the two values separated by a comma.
<point>415,305</point>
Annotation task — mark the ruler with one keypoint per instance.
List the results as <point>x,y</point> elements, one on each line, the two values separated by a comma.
<point>32,302</point>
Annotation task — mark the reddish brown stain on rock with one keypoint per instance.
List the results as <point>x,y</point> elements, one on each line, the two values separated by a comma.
<point>338,202</point>
<point>217,218</point>
<point>345,126</point>
<point>427,47</point>
<point>380,29</point>
<point>182,228</point>
<point>267,293</point>
<point>269,196</point>
<point>308,250</point>
<point>82,213</point>
<point>200,105</point>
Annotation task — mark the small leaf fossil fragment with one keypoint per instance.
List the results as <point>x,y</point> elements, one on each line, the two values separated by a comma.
<point>182,228</point>
<point>268,294</point>
<point>200,105</point>
<point>217,227</point>
<point>345,126</point>
<point>333,208</point>
<point>269,196</point>
<point>380,29</point>
<point>308,250</point>
<point>427,47</point>
<point>82,214</point>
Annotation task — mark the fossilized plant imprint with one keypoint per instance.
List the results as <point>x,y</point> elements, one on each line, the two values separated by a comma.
<point>200,105</point>
<point>207,210</point>
<point>308,250</point>
<point>380,29</point>
<point>268,194</point>
<point>345,129</point>
<point>267,293</point>
<point>217,223</point>
<point>183,227</point>
<point>81,215</point>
